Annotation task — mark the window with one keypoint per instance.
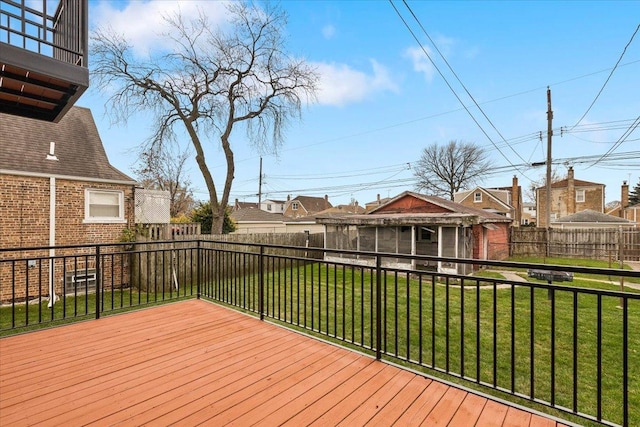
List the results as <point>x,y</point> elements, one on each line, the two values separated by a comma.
<point>580,196</point>
<point>268,206</point>
<point>477,197</point>
<point>294,206</point>
<point>103,206</point>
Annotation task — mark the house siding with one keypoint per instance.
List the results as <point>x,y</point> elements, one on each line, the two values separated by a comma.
<point>487,203</point>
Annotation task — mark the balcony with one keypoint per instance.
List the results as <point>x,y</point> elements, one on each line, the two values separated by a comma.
<point>432,347</point>
<point>43,57</point>
<point>195,363</point>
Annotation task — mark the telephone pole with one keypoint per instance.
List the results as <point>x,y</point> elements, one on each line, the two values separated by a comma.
<point>260,185</point>
<point>549,135</point>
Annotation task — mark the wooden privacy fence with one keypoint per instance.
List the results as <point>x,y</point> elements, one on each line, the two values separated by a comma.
<point>174,260</point>
<point>598,243</point>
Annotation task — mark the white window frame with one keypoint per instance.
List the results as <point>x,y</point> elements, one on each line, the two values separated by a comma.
<point>580,196</point>
<point>477,199</point>
<point>294,206</point>
<point>108,219</point>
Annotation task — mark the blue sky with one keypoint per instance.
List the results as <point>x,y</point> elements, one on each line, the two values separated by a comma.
<point>381,101</point>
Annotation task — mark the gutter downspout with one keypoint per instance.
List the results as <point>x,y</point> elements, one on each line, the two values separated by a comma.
<point>52,240</point>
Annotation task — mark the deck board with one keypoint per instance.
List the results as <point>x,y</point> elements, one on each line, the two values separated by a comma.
<point>194,362</point>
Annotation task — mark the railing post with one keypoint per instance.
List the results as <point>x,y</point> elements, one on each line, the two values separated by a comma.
<point>98,282</point>
<point>198,275</point>
<point>261,283</point>
<point>378,307</point>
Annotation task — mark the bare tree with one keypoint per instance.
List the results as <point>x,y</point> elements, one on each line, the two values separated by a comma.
<point>207,81</point>
<point>443,170</point>
<point>164,169</point>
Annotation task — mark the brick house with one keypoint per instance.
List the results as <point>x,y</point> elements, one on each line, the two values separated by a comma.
<point>569,196</point>
<point>624,209</point>
<point>305,206</point>
<point>57,188</point>
<point>415,224</point>
<point>506,201</point>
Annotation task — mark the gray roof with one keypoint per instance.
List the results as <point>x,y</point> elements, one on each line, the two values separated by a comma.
<point>589,215</point>
<point>25,144</point>
<point>255,215</point>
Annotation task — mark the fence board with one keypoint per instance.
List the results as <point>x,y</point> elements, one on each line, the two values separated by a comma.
<point>595,243</point>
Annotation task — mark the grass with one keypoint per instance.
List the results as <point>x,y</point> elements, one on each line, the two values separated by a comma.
<point>576,262</point>
<point>36,315</point>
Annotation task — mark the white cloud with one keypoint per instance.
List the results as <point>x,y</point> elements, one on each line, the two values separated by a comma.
<point>328,31</point>
<point>421,62</point>
<point>341,84</point>
<point>141,22</point>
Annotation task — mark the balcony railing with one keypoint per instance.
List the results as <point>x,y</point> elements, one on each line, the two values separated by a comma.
<point>571,347</point>
<point>43,56</point>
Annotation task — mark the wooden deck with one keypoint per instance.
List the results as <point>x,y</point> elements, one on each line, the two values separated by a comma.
<point>194,363</point>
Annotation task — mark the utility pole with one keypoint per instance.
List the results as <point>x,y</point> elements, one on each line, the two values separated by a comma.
<point>260,185</point>
<point>548,181</point>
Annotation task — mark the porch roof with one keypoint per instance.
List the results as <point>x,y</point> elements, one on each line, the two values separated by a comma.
<point>453,218</point>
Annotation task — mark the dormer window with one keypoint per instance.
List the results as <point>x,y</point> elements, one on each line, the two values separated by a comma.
<point>477,197</point>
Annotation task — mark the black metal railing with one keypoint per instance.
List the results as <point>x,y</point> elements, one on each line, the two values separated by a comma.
<point>569,346</point>
<point>44,285</point>
<point>60,33</point>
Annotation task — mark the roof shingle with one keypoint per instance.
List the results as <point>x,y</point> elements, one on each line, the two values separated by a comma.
<point>25,144</point>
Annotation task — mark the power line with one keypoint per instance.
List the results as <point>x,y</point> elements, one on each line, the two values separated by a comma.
<point>447,82</point>
<point>609,77</point>
<point>622,139</point>
<point>458,78</point>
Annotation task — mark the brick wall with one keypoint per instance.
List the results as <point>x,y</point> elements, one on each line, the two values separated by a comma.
<point>24,222</point>
<point>563,201</point>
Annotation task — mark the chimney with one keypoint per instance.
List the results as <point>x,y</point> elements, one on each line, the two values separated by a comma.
<point>288,197</point>
<point>624,198</point>
<point>515,200</point>
<point>571,192</point>
<point>237,206</point>
<point>52,151</point>
<point>378,199</point>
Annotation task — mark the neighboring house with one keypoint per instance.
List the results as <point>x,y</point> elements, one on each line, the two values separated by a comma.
<point>528,214</point>
<point>505,201</point>
<point>369,206</point>
<point>244,205</point>
<point>273,206</point>
<point>623,209</point>
<point>57,186</point>
<point>253,220</point>
<point>592,219</point>
<point>416,224</point>
<point>305,206</point>
<point>569,196</point>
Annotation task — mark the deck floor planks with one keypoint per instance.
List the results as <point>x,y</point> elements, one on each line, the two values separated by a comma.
<point>195,362</point>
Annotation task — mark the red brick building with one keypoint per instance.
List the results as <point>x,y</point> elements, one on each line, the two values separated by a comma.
<point>57,188</point>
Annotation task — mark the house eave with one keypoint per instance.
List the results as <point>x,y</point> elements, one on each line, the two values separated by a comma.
<point>403,220</point>
<point>67,177</point>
